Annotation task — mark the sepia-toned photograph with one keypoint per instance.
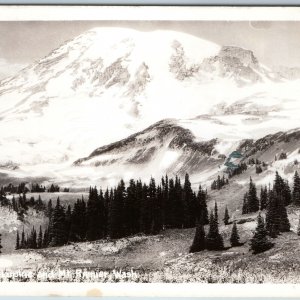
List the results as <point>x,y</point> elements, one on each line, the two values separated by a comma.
<point>150,151</point>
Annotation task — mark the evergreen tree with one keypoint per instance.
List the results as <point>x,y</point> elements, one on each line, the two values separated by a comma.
<point>140,198</point>
<point>298,228</point>
<point>49,209</point>
<point>46,238</point>
<point>68,222</point>
<point>199,239</point>
<point>131,209</point>
<point>178,209</point>
<point>287,195</point>
<point>14,204</point>
<point>234,238</point>
<point>1,243</point>
<point>31,239</point>
<point>202,215</point>
<point>273,216</point>
<point>144,213</point>
<point>189,203</point>
<point>259,242</point>
<point>253,202</point>
<point>296,189</point>
<point>166,206</point>
<point>58,232</point>
<point>40,239</point>
<point>22,245</point>
<point>39,205</point>
<point>216,215</point>
<point>226,216</point>
<point>263,198</point>
<point>282,190</point>
<point>214,240</point>
<point>106,202</point>
<point>116,212</point>
<point>284,220</point>
<point>17,241</point>
<point>245,209</point>
<point>276,217</point>
<point>95,213</point>
<point>157,224</point>
<point>150,206</point>
<point>78,224</point>
<point>171,204</point>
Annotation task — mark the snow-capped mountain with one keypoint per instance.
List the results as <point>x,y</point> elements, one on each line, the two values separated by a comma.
<point>111,83</point>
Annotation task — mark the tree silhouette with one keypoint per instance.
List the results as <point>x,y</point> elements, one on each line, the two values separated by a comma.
<point>199,239</point>
<point>259,242</point>
<point>234,238</point>
<point>226,216</point>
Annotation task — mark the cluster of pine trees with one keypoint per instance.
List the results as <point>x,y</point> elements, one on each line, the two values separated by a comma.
<point>253,161</point>
<point>36,188</point>
<point>268,196</point>
<point>14,189</point>
<point>124,211</point>
<point>21,203</point>
<point>219,183</point>
<point>274,201</point>
<point>238,170</point>
<point>22,188</point>
<point>31,240</point>
<point>250,201</point>
<point>214,240</point>
<point>53,189</point>
<point>258,164</point>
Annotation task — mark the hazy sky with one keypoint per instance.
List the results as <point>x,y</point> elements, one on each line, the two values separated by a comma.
<point>273,43</point>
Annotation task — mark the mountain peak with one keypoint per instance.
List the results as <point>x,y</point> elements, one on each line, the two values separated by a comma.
<point>245,56</point>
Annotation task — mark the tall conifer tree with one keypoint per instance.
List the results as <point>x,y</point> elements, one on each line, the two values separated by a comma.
<point>234,238</point>
<point>214,240</point>
<point>226,216</point>
<point>199,242</point>
<point>202,212</point>
<point>17,241</point>
<point>296,189</point>
<point>259,242</point>
<point>40,238</point>
<point>58,232</point>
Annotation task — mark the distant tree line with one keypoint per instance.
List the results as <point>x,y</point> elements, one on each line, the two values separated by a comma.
<point>21,203</point>
<point>24,188</point>
<point>15,189</point>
